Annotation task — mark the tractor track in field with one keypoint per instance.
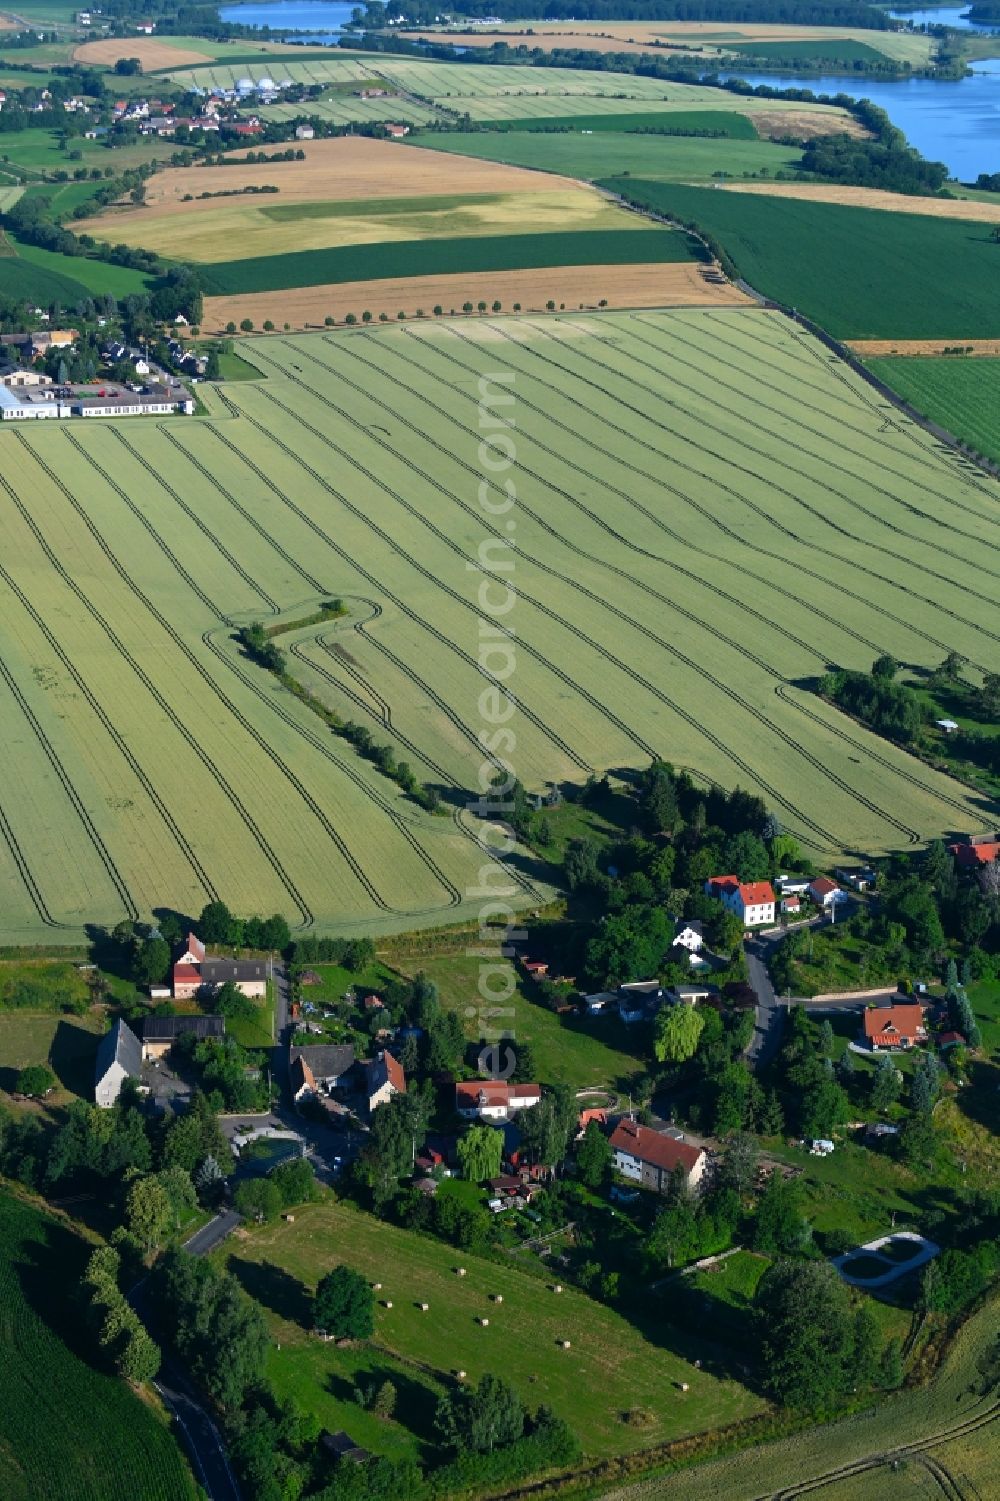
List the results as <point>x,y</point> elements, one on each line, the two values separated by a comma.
<point>800,404</point>
<point>917,1450</point>
<point>76,801</point>
<point>241,510</point>
<point>851,563</point>
<point>370,578</point>
<point>182,729</point>
<point>714,520</point>
<point>744,704</point>
<point>174,829</point>
<point>293,779</point>
<point>614,659</point>
<point>887,415</point>
<point>743,444</point>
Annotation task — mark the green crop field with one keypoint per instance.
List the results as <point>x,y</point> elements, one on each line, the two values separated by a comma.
<point>962,395</point>
<point>807,255</point>
<point>607,155</point>
<point>811,50</point>
<point>67,1432</point>
<point>19,279</point>
<point>953,1419</point>
<point>95,277</point>
<point>673,467</point>
<point>724,122</point>
<point>613,1364</point>
<point>307,268</point>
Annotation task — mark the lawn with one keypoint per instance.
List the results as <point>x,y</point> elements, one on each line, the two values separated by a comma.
<point>961,395</point>
<point>67,1044</point>
<point>611,1367</point>
<point>807,255</point>
<point>256,1031</point>
<point>129,550</point>
<point>67,1431</point>
<point>565,1049</point>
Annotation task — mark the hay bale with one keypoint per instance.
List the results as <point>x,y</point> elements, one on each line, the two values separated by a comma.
<point>387,1303</point>
<point>497,1297</point>
<point>460,1271</point>
<point>565,1344</point>
<point>683,1386</point>
<point>485,1323</point>
<point>424,1307</point>
<point>557,1288</point>
<point>459,1375</point>
<point>376,1287</point>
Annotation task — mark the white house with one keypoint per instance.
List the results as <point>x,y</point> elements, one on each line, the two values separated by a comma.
<point>826,893</point>
<point>119,1057</point>
<point>493,1099</point>
<point>384,1077</point>
<point>650,1158</point>
<point>753,902</point>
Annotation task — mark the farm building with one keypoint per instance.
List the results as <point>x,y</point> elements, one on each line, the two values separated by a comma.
<point>826,893</point>
<point>384,1077</point>
<point>978,849</point>
<point>397,131</point>
<point>119,1057</point>
<point>894,1026</point>
<point>304,133</point>
<point>494,1100</point>
<point>753,902</point>
<point>194,971</point>
<point>650,1158</point>
<point>159,1033</point>
<point>314,1071</point>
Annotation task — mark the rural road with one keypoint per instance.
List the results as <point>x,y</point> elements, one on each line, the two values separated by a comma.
<point>769,1018</point>
<point>213,1234</point>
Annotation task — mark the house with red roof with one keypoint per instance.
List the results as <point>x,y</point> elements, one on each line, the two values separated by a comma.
<point>384,1077</point>
<point>753,902</point>
<point>650,1158</point>
<point>978,849</point>
<point>196,971</point>
<point>894,1026</point>
<point>494,1099</point>
<point>826,893</point>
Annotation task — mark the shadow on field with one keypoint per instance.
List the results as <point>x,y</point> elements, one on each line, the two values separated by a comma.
<point>274,1288</point>
<point>72,1057</point>
<point>416,1403</point>
<point>49,1262</point>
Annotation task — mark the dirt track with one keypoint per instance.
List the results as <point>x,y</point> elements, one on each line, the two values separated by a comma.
<point>623,286</point>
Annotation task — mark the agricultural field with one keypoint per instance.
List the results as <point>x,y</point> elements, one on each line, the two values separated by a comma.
<point>985,210</point>
<point>807,255</point>
<point>67,1431</point>
<point>353,192</point>
<point>659,284</point>
<point>961,394</point>
<point>950,1424</point>
<point>95,277</point>
<point>130,553</point>
<point>613,1365</point>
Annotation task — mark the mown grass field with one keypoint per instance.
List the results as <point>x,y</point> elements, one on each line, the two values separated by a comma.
<point>65,1044</point>
<point>683,562</point>
<point>953,1420</point>
<point>612,1366</point>
<point>67,1432</point>
<point>808,255</point>
<point>963,395</point>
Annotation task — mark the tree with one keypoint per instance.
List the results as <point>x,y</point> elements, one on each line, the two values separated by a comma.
<point>384,1401</point>
<point>886,1084</point>
<point>488,1418</point>
<point>480,1152</point>
<point>215,923</point>
<point>344,1304</point>
<point>747,856</point>
<point>739,1165</point>
<point>925,1085</point>
<point>825,1039</point>
<point>673,1239</point>
<point>35,1080</point>
<point>580,866</point>
<point>593,1156</point>
<point>807,1333</point>
<point>258,1199</point>
<point>891,1366</point>
<point>779,1225</point>
<point>151,961</point>
<point>678,1029</point>
<point>138,1357</point>
<point>885,667</point>
<point>246,324</point>
<point>213,369</point>
<point>148,1212</point>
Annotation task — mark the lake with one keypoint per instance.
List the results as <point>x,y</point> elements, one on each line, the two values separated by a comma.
<point>326,18</point>
<point>954,121</point>
<point>943,15</point>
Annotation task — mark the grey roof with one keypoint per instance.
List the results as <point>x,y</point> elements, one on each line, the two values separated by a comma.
<point>218,971</point>
<point>121,1046</point>
<point>327,1060</point>
<point>167,1028</point>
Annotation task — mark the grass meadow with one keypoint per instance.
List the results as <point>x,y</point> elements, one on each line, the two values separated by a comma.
<point>686,564</point>
<point>613,1364</point>
<point>961,395</point>
<point>807,256</point>
<point>67,1431</point>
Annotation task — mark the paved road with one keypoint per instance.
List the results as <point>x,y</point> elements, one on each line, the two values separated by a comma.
<point>212,1234</point>
<point>769,1019</point>
<point>282,1029</point>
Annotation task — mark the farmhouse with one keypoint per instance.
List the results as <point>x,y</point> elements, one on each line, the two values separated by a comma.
<point>650,1158</point>
<point>494,1100</point>
<point>194,971</point>
<point>753,902</point>
<point>826,893</point>
<point>119,1057</point>
<point>384,1077</point>
<point>159,1033</point>
<point>304,133</point>
<point>978,849</point>
<point>894,1026</point>
<point>397,131</point>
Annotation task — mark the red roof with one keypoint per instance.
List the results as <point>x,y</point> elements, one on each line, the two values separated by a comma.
<point>979,851</point>
<point>822,886</point>
<point>949,1039</point>
<point>394,1069</point>
<point>649,1146</point>
<point>724,883</point>
<point>475,1093</point>
<point>187,974</point>
<point>195,946</point>
<point>756,893</point>
<point>894,1022</point>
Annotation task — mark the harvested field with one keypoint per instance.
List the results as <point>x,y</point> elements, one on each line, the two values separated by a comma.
<point>686,480</point>
<point>973,209</point>
<point>915,347</point>
<point>806,122</point>
<point>659,285</point>
<point>151,54</point>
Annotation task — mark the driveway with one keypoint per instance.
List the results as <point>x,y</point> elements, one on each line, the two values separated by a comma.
<point>213,1234</point>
